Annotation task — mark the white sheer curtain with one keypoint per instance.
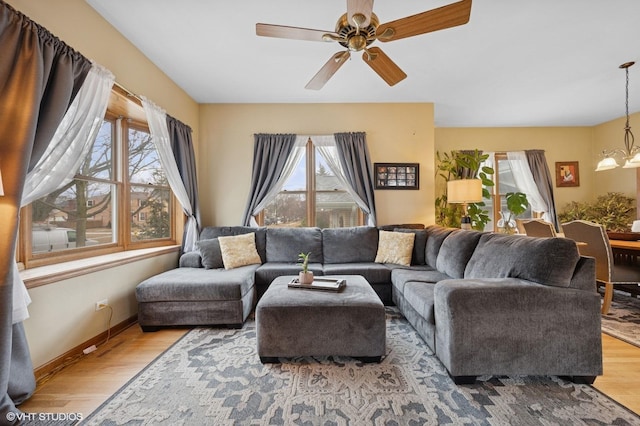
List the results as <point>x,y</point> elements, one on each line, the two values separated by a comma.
<point>525,182</point>
<point>64,155</point>
<point>326,146</point>
<point>289,168</point>
<point>157,120</point>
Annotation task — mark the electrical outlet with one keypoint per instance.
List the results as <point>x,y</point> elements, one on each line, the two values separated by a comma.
<point>100,305</point>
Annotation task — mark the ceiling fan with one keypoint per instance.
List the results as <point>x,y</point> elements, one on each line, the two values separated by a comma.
<point>359,27</point>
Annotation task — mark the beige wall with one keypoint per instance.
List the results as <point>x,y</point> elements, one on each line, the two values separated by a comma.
<point>395,133</point>
<point>62,313</point>
<point>559,144</point>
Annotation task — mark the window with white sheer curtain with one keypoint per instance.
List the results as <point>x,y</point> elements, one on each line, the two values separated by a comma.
<point>118,199</point>
<point>312,192</point>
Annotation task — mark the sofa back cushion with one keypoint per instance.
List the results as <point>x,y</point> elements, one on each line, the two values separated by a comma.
<point>435,236</point>
<point>210,232</point>
<point>455,251</point>
<point>350,245</point>
<point>549,261</point>
<point>285,244</point>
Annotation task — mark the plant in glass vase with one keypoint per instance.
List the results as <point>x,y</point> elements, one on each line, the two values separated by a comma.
<point>517,204</point>
<point>305,276</point>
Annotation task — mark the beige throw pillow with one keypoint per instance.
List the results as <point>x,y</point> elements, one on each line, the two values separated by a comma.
<point>395,247</point>
<point>239,250</point>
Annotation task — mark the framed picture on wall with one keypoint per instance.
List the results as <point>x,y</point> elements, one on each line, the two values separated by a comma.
<point>397,175</point>
<point>567,174</point>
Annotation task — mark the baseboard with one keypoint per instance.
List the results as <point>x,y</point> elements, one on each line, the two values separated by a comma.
<point>75,353</point>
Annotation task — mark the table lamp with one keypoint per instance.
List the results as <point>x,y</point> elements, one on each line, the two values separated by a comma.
<point>464,191</point>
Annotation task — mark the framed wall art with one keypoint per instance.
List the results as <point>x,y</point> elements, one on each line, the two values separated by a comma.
<point>567,174</point>
<point>397,175</point>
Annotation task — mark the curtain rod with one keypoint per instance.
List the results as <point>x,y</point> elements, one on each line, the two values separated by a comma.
<point>128,92</point>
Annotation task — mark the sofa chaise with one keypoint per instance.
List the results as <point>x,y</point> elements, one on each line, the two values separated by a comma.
<point>484,303</point>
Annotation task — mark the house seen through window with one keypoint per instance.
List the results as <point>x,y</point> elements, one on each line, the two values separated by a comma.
<point>119,199</point>
<point>312,196</point>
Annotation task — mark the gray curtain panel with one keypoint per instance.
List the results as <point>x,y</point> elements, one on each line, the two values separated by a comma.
<point>540,171</point>
<point>356,162</point>
<point>270,153</point>
<point>182,147</point>
<point>39,77</point>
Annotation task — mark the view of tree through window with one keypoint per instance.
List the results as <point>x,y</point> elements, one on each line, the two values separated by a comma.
<point>84,213</point>
<point>312,199</point>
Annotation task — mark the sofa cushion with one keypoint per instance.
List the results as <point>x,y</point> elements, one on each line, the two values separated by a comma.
<point>239,250</point>
<point>400,277</point>
<point>419,244</point>
<point>395,247</point>
<point>187,284</point>
<point>285,244</point>
<point>375,273</point>
<point>455,252</point>
<point>210,253</point>
<point>225,231</point>
<point>350,245</point>
<point>420,296</point>
<point>435,236</point>
<point>549,261</point>
<point>271,270</point>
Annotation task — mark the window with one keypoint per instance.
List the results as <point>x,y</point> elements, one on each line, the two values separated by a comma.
<point>504,183</point>
<point>88,216</point>
<point>312,196</point>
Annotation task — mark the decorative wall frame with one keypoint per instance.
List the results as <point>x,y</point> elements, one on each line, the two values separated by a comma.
<point>567,174</point>
<point>397,175</point>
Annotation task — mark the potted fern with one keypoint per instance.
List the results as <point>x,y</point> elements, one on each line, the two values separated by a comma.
<point>305,276</point>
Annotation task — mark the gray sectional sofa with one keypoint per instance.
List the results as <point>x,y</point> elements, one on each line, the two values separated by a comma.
<point>484,303</point>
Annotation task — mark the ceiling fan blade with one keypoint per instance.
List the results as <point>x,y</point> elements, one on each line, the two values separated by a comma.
<point>362,7</point>
<point>296,33</point>
<point>383,65</point>
<point>328,70</point>
<point>432,20</point>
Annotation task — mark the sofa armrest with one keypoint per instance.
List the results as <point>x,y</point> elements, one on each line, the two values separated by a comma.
<point>514,326</point>
<point>191,259</point>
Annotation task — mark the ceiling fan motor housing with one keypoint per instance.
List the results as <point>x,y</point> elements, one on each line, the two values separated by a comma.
<point>355,40</point>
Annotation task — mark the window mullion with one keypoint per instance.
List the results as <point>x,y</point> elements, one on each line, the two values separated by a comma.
<point>311,184</point>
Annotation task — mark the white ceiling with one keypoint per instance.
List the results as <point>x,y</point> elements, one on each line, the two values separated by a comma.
<point>516,63</point>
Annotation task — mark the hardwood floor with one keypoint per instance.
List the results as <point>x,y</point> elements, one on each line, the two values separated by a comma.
<point>84,385</point>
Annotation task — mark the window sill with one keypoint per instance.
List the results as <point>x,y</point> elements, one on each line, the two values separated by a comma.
<point>43,275</point>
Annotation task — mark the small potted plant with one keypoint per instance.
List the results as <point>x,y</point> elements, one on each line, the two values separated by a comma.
<point>305,276</point>
<point>517,204</point>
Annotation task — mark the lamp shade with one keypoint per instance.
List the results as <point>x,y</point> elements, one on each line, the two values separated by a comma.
<point>464,191</point>
<point>607,163</point>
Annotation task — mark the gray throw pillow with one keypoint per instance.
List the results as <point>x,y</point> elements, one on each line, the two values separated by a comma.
<point>211,253</point>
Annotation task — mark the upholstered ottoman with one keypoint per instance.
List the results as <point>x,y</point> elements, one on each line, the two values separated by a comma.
<point>293,322</point>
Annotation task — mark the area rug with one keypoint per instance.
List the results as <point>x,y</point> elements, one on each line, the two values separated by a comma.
<point>214,377</point>
<point>623,319</point>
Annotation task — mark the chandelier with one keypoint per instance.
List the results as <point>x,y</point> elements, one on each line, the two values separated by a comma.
<point>631,153</point>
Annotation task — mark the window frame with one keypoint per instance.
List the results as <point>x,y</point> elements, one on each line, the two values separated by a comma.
<point>310,190</point>
<point>128,111</point>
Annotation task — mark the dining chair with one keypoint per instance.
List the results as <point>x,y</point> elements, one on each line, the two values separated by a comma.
<point>538,228</point>
<point>595,243</point>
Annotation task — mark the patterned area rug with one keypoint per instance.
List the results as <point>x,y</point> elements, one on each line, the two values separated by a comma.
<point>623,319</point>
<point>214,377</point>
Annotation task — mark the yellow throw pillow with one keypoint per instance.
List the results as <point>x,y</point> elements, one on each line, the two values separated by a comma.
<point>395,247</point>
<point>239,250</point>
